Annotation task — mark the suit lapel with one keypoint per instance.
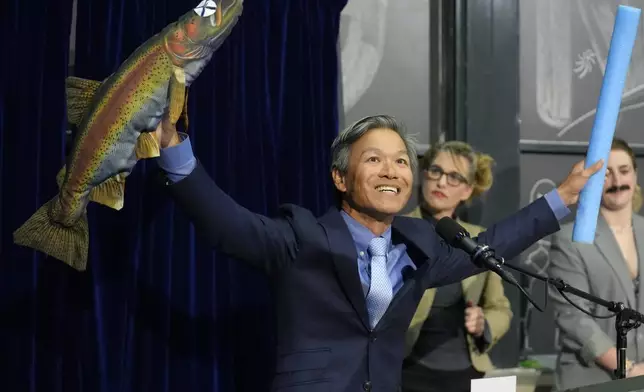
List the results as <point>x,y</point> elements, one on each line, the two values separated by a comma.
<point>638,233</point>
<point>473,288</point>
<point>417,251</point>
<point>416,240</point>
<point>422,313</point>
<point>345,258</point>
<point>608,247</point>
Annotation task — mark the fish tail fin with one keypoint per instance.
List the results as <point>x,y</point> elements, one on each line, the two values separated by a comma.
<point>110,193</point>
<point>66,243</point>
<point>79,96</point>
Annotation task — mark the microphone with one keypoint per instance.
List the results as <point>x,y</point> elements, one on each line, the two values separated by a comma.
<point>482,255</point>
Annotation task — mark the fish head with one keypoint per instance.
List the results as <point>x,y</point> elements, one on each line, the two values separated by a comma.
<point>221,23</point>
<point>203,30</point>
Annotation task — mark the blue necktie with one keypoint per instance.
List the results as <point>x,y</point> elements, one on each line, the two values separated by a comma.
<point>380,292</point>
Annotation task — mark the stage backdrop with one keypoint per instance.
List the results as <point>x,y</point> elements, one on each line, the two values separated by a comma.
<point>384,57</point>
<point>564,46</point>
<point>157,310</point>
<point>385,62</point>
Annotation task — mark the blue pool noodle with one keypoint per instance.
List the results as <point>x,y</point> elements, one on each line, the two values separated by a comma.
<point>601,138</point>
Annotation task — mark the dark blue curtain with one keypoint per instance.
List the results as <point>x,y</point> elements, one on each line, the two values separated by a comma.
<point>157,310</point>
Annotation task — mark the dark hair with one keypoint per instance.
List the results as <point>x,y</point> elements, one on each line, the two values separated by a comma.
<point>341,147</point>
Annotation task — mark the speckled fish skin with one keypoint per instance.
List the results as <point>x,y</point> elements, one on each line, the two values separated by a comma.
<point>128,103</point>
<point>133,100</point>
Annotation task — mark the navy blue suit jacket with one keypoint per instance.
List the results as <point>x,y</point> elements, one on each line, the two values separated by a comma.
<point>324,343</point>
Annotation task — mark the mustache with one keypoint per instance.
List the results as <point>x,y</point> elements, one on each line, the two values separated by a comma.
<point>614,189</point>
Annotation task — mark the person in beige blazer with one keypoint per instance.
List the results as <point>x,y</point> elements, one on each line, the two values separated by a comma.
<point>455,326</point>
<point>608,268</point>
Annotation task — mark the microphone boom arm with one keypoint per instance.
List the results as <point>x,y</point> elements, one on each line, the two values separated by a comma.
<point>483,256</point>
<point>626,318</point>
<point>485,252</point>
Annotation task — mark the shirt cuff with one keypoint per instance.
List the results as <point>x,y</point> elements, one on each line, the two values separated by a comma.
<point>178,161</point>
<point>556,204</point>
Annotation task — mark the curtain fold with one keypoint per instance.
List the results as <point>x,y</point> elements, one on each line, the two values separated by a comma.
<point>157,310</point>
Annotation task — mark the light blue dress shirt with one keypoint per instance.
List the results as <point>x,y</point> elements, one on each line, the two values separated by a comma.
<point>397,257</point>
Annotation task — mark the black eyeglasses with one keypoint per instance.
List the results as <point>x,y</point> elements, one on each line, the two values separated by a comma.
<point>453,178</point>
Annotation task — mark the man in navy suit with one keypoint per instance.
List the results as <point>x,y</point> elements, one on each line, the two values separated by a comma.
<point>347,284</point>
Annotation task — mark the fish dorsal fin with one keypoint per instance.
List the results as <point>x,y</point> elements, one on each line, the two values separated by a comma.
<point>79,96</point>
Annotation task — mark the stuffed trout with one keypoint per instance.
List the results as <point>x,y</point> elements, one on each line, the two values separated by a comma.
<point>116,119</point>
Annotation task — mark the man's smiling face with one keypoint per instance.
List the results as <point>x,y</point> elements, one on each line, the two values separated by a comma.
<point>379,178</point>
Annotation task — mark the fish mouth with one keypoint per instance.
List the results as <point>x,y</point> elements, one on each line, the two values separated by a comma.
<point>224,19</point>
<point>226,5</point>
<point>227,12</point>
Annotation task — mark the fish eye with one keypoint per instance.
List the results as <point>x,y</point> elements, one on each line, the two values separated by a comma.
<point>206,8</point>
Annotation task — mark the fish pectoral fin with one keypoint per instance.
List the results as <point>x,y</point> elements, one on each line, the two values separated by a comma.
<point>79,96</point>
<point>110,193</point>
<point>185,110</point>
<point>176,95</point>
<point>147,146</point>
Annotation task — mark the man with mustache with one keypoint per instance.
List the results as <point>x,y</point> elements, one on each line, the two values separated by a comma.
<point>610,269</point>
<point>346,284</point>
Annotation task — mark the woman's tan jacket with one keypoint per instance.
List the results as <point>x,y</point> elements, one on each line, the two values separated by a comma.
<point>484,290</point>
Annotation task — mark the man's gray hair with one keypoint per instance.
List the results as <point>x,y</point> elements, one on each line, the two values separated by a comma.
<point>341,147</point>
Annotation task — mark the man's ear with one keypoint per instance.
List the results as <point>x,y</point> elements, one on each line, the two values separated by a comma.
<point>338,180</point>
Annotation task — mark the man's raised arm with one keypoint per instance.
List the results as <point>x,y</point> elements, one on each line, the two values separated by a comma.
<point>517,232</point>
<point>265,243</point>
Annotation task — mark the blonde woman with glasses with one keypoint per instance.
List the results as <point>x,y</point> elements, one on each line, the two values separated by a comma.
<point>454,326</point>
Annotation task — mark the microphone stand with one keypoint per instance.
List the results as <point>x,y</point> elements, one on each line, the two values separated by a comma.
<point>626,318</point>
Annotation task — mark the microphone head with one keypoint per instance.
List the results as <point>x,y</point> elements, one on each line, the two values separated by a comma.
<point>449,230</point>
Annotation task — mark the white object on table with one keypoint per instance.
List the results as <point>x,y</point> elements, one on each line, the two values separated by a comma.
<point>494,384</point>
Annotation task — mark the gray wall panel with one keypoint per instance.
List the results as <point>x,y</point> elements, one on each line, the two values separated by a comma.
<point>385,61</point>
<point>564,46</point>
